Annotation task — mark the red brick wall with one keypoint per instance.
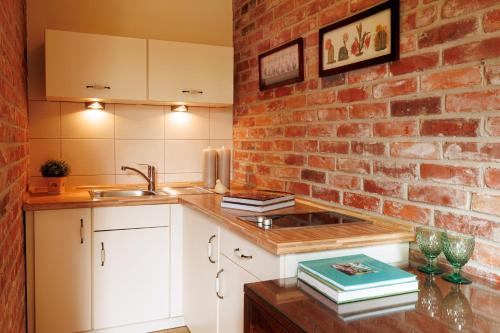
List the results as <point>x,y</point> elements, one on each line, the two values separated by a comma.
<point>13,164</point>
<point>417,139</point>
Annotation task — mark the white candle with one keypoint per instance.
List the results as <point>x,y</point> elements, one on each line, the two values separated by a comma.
<point>224,166</point>
<point>209,167</point>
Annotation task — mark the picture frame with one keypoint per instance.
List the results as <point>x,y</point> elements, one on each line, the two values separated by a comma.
<point>282,65</point>
<point>347,44</point>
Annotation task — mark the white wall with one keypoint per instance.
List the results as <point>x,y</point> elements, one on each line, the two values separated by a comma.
<point>98,143</point>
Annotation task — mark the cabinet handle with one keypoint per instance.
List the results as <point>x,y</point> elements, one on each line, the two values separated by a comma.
<point>210,249</point>
<point>192,92</point>
<point>241,255</point>
<point>217,284</point>
<point>98,87</point>
<point>81,231</point>
<point>103,254</point>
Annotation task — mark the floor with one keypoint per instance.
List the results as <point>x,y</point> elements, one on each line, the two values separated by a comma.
<point>175,330</point>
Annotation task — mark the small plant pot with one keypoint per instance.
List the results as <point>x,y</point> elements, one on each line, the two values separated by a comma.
<point>56,185</point>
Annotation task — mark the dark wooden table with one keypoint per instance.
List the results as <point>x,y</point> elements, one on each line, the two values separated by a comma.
<point>281,306</point>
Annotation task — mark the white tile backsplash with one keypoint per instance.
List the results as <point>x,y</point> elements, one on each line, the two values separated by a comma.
<point>139,122</point>
<point>74,181</point>
<point>135,152</point>
<point>98,143</point>
<point>44,119</point>
<point>183,177</point>
<point>79,123</point>
<point>89,156</point>
<point>221,124</point>
<point>194,124</point>
<point>183,156</point>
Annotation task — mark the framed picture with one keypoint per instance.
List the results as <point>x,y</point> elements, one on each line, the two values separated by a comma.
<point>282,65</point>
<point>368,38</point>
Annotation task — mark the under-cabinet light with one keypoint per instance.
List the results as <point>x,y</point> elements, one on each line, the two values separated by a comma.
<point>95,105</point>
<point>178,108</point>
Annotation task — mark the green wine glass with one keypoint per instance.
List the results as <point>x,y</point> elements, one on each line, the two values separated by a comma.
<point>429,242</point>
<point>458,249</point>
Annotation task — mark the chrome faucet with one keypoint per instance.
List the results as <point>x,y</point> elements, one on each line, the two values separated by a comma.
<point>150,178</point>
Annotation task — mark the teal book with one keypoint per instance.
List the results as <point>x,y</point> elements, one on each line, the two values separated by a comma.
<point>356,272</point>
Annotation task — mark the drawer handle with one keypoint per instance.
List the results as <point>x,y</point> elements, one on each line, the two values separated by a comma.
<point>103,254</point>
<point>217,284</point>
<point>210,249</point>
<point>241,255</point>
<point>81,231</point>
<point>192,92</point>
<point>98,87</point>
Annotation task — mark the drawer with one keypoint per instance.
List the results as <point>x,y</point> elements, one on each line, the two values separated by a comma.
<point>249,256</point>
<point>130,217</point>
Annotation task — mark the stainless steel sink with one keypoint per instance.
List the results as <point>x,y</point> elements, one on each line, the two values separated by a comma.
<point>97,194</point>
<point>136,193</point>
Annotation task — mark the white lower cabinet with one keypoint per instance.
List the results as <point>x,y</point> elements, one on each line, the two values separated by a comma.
<point>231,280</point>
<point>141,268</point>
<point>131,276</point>
<point>213,284</point>
<point>200,267</point>
<point>213,291</point>
<point>103,269</point>
<point>63,276</point>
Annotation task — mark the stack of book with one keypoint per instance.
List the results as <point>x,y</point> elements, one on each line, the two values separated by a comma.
<point>258,201</point>
<point>359,285</point>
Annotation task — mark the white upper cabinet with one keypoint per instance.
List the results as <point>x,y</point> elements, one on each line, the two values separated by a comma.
<point>83,66</point>
<point>190,73</point>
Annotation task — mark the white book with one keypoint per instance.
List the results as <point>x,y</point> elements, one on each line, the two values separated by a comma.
<point>352,308</point>
<point>258,209</point>
<point>346,296</point>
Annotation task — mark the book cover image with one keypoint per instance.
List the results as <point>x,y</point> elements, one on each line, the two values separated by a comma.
<point>354,268</point>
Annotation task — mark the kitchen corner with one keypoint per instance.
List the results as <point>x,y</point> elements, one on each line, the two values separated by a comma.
<point>178,227</point>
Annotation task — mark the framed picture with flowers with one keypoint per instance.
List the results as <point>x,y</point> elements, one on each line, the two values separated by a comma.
<point>368,38</point>
<point>282,65</point>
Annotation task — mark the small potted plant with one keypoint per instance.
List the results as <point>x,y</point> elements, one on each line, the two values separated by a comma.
<point>55,172</point>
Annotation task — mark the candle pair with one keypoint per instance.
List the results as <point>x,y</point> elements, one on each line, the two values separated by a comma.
<point>216,165</point>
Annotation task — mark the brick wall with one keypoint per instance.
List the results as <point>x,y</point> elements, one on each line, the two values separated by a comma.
<point>13,164</point>
<point>417,139</point>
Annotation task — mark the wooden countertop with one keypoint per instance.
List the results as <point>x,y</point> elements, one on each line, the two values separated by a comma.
<point>278,242</point>
<point>321,238</point>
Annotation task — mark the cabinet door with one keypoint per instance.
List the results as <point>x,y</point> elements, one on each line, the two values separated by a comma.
<point>200,301</point>
<point>62,270</point>
<point>131,276</point>
<point>185,72</point>
<point>80,65</point>
<point>232,280</point>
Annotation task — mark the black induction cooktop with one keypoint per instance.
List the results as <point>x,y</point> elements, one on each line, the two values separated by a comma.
<point>280,221</point>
